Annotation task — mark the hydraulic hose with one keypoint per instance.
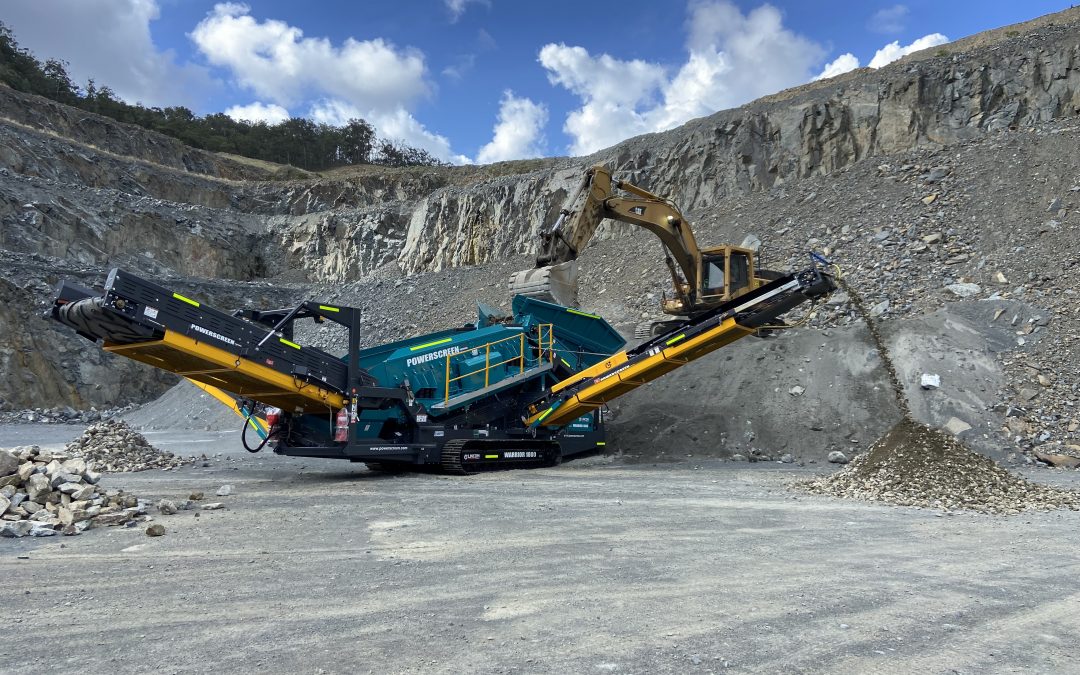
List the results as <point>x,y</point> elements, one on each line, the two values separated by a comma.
<point>243,439</point>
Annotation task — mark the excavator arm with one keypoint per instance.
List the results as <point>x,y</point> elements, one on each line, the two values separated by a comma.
<point>555,276</point>
<point>596,200</point>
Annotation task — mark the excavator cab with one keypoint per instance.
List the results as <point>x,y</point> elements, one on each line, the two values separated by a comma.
<point>715,274</point>
<point>727,273</point>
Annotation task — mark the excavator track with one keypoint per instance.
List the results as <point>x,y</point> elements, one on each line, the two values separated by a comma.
<point>468,456</point>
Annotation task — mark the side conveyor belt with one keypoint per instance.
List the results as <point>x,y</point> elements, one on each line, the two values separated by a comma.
<point>630,369</point>
<point>138,319</point>
<point>205,363</point>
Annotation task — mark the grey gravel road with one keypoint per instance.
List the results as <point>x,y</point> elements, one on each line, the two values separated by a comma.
<point>592,567</point>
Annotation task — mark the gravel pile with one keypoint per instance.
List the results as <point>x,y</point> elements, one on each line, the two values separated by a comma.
<point>60,415</point>
<point>44,493</point>
<point>113,446</point>
<point>914,465</point>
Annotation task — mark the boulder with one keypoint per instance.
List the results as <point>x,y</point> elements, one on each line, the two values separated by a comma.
<point>38,486</point>
<point>9,463</point>
<point>19,528</point>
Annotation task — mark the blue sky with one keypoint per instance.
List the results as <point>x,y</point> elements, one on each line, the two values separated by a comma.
<point>484,80</point>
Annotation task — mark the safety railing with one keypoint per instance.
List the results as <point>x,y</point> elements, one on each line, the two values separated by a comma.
<point>545,342</point>
<point>545,350</point>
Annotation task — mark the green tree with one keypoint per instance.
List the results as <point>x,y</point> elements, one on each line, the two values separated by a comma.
<point>296,141</point>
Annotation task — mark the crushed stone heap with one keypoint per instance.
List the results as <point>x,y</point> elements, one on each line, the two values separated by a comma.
<point>44,493</point>
<point>113,446</point>
<point>915,465</point>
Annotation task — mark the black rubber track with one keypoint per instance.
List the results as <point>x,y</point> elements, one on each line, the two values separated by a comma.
<point>451,457</point>
<point>453,451</point>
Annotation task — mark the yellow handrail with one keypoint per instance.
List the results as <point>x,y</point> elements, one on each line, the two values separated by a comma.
<point>543,346</point>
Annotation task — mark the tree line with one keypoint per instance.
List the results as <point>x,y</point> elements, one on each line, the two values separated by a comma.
<point>296,141</point>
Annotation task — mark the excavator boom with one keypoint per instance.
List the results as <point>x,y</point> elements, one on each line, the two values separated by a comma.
<point>701,279</point>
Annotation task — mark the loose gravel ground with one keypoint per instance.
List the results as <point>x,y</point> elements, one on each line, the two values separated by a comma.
<point>592,567</point>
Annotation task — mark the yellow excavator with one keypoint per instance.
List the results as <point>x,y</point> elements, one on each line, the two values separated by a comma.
<point>702,278</point>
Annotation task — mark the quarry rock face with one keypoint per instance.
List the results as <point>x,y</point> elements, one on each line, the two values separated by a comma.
<point>140,194</point>
<point>812,130</point>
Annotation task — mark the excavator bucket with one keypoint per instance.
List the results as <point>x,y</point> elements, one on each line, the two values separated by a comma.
<point>554,283</point>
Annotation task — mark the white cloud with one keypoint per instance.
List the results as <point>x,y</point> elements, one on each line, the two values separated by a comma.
<point>732,58</point>
<point>396,124</point>
<point>894,51</point>
<point>110,42</point>
<point>334,112</point>
<point>461,67</point>
<point>277,62</point>
<point>882,57</point>
<point>458,7</point>
<point>519,132</point>
<point>889,19</point>
<point>600,78</point>
<point>840,65</point>
<point>271,113</point>
<point>369,79</point>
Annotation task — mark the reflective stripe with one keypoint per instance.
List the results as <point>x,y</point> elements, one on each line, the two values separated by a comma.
<point>187,300</point>
<point>327,308</point>
<point>291,344</point>
<point>430,344</point>
<point>574,311</point>
<point>675,339</point>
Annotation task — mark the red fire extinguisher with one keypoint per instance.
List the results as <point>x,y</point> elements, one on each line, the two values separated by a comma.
<point>341,426</point>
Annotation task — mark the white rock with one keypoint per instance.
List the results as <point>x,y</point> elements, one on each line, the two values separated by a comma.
<point>19,528</point>
<point>38,485</point>
<point>956,426</point>
<point>84,492</point>
<point>930,381</point>
<point>75,465</point>
<point>751,242</point>
<point>837,457</point>
<point>42,530</point>
<point>964,290</point>
<point>880,308</point>
<point>796,390</point>
<point>69,488</point>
